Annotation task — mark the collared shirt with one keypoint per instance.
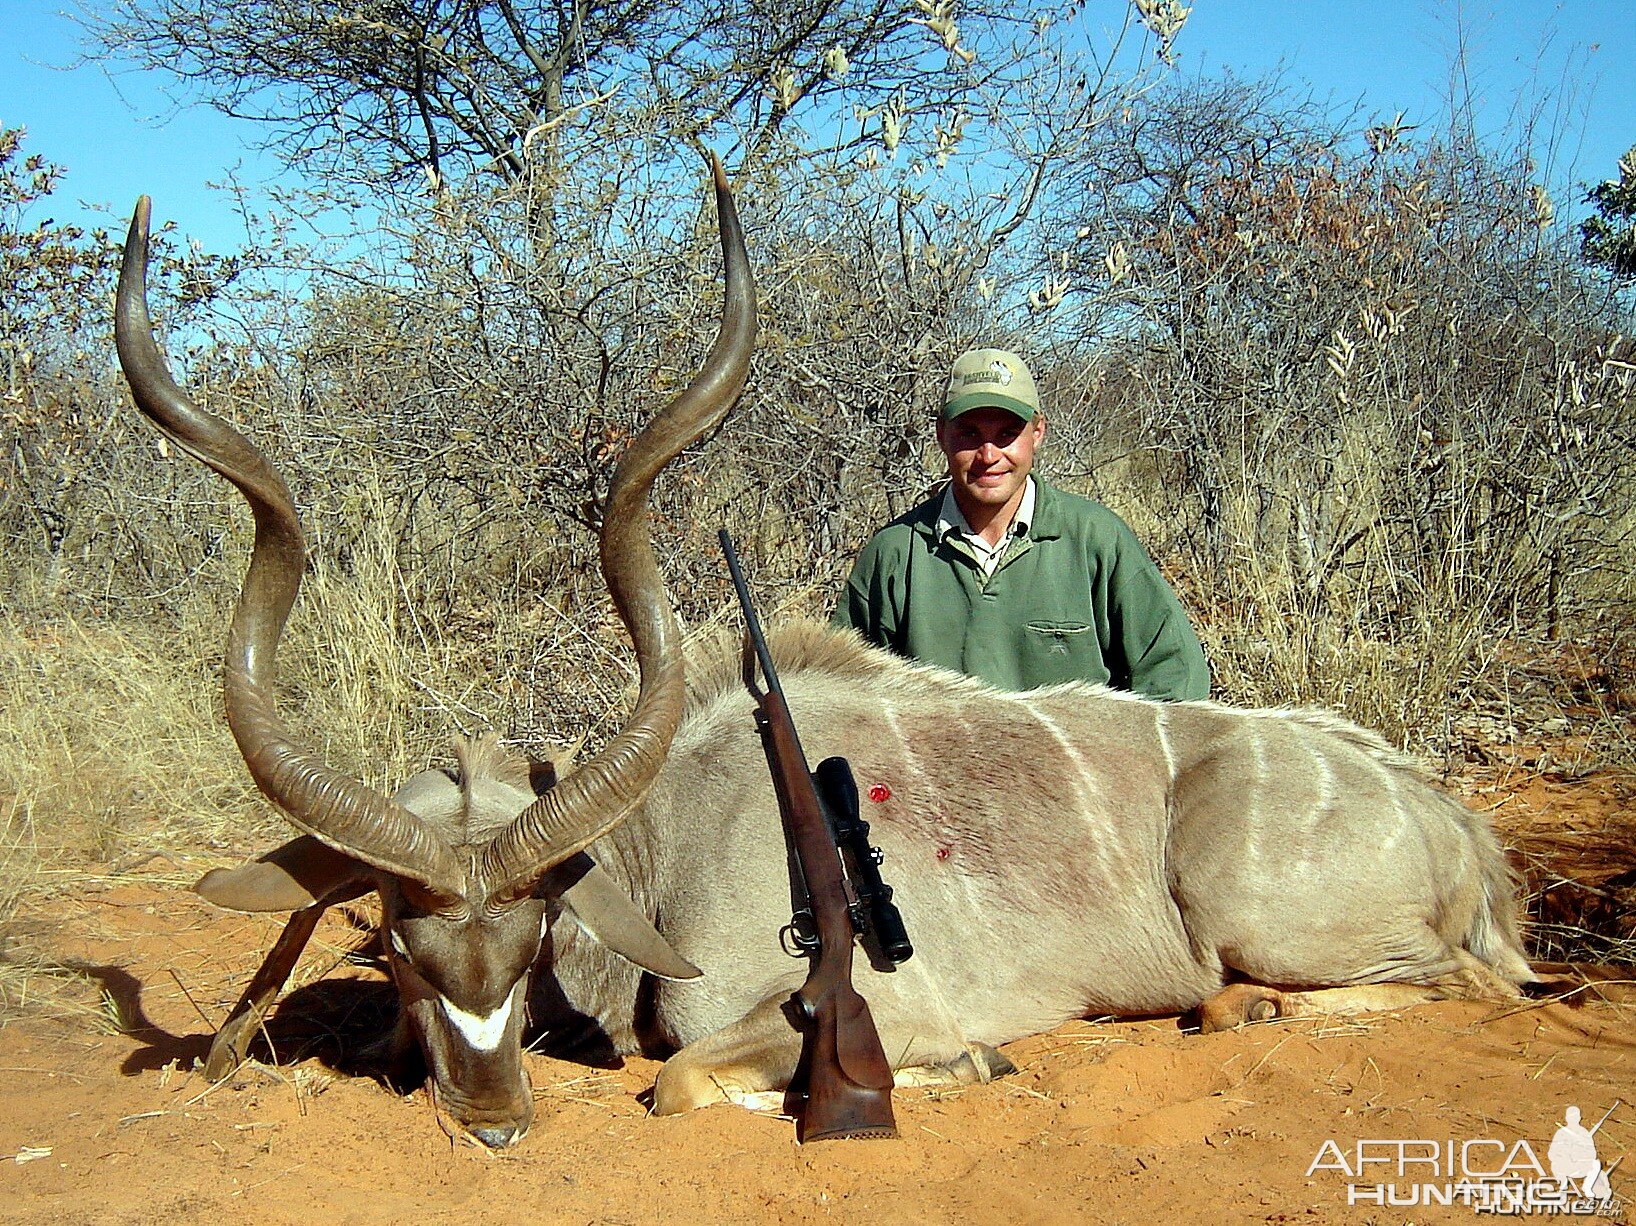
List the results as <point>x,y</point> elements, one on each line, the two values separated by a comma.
<point>951,519</point>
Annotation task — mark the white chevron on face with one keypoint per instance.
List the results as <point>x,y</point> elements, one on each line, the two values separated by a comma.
<point>483,1032</point>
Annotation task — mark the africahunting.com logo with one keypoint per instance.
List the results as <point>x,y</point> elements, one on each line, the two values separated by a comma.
<point>1482,1173</point>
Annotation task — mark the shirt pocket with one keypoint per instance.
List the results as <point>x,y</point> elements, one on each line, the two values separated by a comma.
<point>1059,637</point>
<point>1056,651</point>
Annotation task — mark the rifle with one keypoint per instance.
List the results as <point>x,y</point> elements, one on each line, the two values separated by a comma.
<point>835,875</point>
<point>1592,1129</point>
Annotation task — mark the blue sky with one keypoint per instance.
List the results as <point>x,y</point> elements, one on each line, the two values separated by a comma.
<point>120,136</point>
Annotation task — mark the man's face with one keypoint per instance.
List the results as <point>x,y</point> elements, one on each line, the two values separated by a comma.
<point>990,452</point>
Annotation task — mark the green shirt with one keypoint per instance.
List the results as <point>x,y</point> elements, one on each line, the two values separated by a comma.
<point>1074,598</point>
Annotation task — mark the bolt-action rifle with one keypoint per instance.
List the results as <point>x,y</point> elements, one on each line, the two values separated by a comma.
<point>836,879</point>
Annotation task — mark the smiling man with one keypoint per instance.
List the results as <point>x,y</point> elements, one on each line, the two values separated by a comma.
<point>1002,577</point>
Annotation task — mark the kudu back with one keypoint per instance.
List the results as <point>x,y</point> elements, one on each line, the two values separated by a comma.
<point>1056,854</point>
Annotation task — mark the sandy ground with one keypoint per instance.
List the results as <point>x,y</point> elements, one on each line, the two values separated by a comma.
<point>1105,1122</point>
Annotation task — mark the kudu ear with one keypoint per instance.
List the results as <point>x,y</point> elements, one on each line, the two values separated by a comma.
<point>608,915</point>
<point>546,770</point>
<point>288,878</point>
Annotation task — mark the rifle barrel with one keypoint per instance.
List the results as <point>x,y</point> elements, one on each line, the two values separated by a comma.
<point>1605,1115</point>
<point>751,623</point>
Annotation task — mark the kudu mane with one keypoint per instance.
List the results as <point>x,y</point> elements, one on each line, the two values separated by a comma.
<point>807,646</point>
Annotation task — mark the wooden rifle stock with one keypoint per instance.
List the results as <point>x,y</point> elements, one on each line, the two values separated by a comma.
<point>848,1078</point>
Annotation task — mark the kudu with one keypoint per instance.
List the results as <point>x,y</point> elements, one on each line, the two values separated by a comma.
<point>1060,853</point>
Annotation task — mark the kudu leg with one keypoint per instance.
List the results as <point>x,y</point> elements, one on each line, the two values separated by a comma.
<point>977,1065</point>
<point>232,1041</point>
<point>1239,1003</point>
<point>758,1052</point>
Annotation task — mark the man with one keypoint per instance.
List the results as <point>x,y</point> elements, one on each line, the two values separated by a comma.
<point>1005,578</point>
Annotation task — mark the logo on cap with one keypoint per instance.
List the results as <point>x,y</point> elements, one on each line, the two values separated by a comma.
<point>997,372</point>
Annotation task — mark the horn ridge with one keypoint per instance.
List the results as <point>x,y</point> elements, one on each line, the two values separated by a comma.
<point>600,794</point>
<point>317,799</point>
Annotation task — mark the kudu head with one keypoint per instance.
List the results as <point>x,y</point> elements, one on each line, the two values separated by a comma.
<point>469,877</point>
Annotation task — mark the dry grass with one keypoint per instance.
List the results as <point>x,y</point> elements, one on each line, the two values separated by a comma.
<point>109,743</point>
<point>112,735</point>
<point>1271,644</point>
<point>1581,884</point>
<point>1404,688</point>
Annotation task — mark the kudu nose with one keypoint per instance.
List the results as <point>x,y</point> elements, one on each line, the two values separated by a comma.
<point>497,1136</point>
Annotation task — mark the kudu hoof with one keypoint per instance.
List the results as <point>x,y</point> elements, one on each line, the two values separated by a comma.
<point>1239,1004</point>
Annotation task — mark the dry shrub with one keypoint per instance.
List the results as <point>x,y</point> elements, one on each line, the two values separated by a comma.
<point>1581,886</point>
<point>1365,404</point>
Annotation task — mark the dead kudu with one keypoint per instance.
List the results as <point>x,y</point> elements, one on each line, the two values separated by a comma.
<point>1060,853</point>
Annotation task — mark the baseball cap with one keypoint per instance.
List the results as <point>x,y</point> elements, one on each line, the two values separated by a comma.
<point>990,378</point>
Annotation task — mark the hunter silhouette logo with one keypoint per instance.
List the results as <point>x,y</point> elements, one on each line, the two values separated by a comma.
<point>1486,1174</point>
<point>1573,1156</point>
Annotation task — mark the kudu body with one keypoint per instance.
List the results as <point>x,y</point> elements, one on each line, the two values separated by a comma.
<point>1055,854</point>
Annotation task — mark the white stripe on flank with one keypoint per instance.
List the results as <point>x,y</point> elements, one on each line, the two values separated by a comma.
<point>1394,789</point>
<point>1159,722</point>
<point>1253,800</point>
<point>924,961</point>
<point>1326,784</point>
<point>1083,782</point>
<point>482,1032</point>
<point>912,759</point>
<point>1109,849</point>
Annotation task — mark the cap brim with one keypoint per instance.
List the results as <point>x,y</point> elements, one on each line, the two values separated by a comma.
<point>988,400</point>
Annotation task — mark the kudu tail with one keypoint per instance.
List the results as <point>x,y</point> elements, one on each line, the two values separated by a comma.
<point>1495,934</point>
